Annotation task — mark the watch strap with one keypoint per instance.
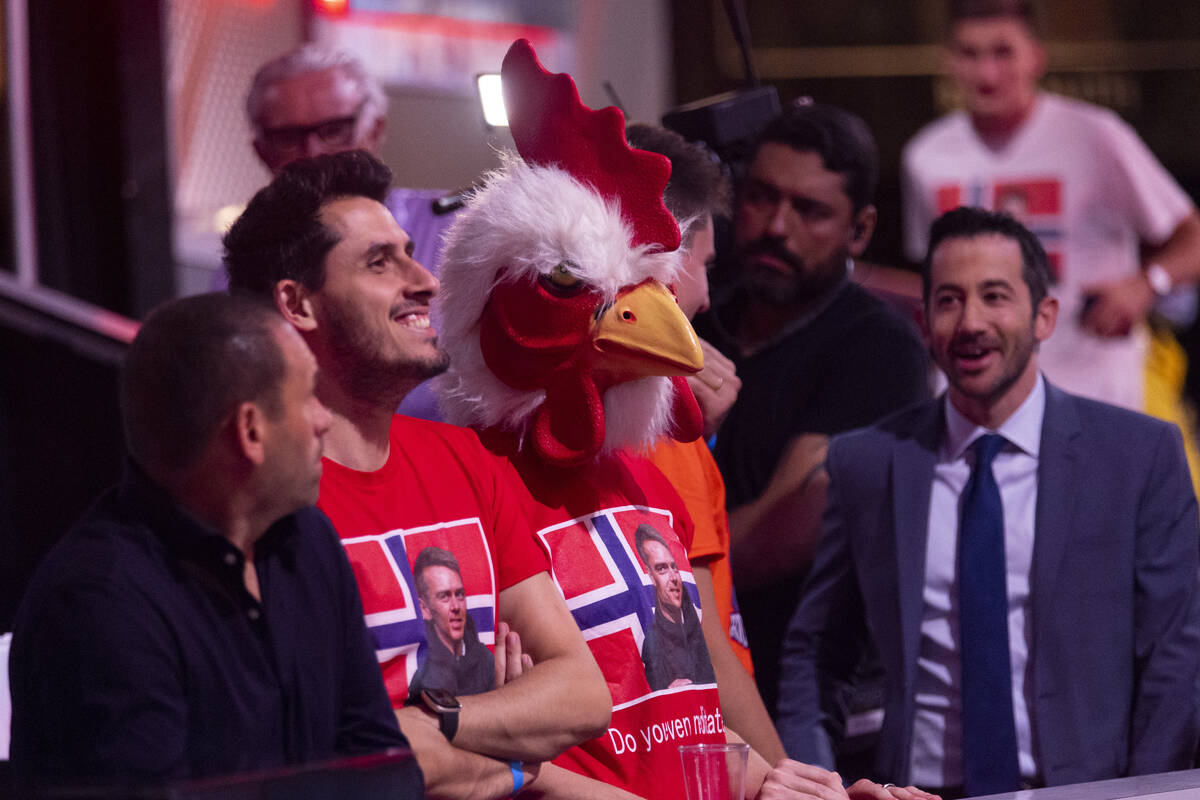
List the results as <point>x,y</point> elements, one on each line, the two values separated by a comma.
<point>448,723</point>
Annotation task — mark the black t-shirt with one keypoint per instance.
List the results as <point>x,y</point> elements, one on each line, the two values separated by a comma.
<point>853,363</point>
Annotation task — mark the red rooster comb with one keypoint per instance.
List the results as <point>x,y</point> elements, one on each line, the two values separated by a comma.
<point>552,127</point>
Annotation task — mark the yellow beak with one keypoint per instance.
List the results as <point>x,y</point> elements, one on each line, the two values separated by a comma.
<point>644,333</point>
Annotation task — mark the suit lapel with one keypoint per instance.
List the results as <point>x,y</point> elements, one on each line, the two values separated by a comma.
<point>913,462</point>
<point>1058,463</point>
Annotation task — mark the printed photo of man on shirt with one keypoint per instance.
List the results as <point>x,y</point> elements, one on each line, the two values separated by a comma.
<point>673,652</point>
<point>455,660</point>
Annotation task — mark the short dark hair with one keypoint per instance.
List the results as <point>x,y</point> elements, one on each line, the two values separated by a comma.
<point>1021,10</point>
<point>432,556</point>
<point>280,236</point>
<point>967,222</point>
<point>841,138</point>
<point>192,362</point>
<point>644,533</point>
<point>698,186</point>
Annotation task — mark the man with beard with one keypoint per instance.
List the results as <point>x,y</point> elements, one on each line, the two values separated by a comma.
<point>1024,559</point>
<point>319,241</point>
<point>673,651</point>
<point>457,661</point>
<point>816,354</point>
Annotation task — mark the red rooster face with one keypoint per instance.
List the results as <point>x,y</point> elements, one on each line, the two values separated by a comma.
<point>557,327</point>
<point>557,317</point>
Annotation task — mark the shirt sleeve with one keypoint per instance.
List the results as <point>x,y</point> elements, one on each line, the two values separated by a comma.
<point>1148,197</point>
<point>704,499</point>
<point>98,692</point>
<point>1163,730</point>
<point>916,206</point>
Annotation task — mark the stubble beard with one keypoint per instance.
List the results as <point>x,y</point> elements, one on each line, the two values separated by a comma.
<point>1005,381</point>
<point>366,370</point>
<point>802,284</point>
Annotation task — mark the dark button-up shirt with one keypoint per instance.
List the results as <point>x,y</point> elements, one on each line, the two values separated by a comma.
<point>138,654</point>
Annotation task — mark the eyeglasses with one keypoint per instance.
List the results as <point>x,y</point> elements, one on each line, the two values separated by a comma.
<point>337,132</point>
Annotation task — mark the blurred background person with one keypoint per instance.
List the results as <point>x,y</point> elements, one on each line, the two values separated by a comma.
<point>1120,232</point>
<point>816,354</point>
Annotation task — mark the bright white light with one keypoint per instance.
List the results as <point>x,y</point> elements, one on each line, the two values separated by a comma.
<point>492,98</point>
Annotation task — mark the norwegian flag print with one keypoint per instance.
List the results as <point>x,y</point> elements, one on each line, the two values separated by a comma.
<point>382,565</point>
<point>596,566</point>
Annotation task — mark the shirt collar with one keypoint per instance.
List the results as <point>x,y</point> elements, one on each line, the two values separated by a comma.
<point>184,534</point>
<point>1022,429</point>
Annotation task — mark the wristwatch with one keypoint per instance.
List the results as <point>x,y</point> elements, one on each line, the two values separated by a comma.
<point>445,707</point>
<point>1159,280</point>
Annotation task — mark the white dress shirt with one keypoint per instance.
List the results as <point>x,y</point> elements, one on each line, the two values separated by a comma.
<point>937,728</point>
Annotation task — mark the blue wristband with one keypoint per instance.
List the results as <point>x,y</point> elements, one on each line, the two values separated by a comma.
<point>518,775</point>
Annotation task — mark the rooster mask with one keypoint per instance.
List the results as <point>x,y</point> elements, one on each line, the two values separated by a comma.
<point>555,306</point>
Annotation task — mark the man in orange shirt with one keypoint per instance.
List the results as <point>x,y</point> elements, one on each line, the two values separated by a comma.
<point>698,189</point>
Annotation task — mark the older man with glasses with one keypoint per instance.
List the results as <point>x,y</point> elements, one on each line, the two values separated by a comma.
<point>311,101</point>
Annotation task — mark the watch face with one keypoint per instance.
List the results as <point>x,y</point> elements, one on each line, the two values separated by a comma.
<point>441,699</point>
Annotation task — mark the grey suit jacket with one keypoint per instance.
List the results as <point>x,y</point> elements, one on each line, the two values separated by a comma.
<point>1115,629</point>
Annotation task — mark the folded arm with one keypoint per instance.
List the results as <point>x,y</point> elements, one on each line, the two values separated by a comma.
<point>792,502</point>
<point>560,701</point>
<point>451,772</point>
<point>1120,304</point>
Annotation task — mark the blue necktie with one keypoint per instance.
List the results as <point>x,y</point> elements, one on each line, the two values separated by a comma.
<point>989,736</point>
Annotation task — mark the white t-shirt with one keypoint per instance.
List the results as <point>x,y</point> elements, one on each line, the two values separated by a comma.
<point>1080,178</point>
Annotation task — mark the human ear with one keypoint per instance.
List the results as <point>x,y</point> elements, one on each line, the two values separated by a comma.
<point>863,229</point>
<point>1045,317</point>
<point>248,430</point>
<point>295,304</point>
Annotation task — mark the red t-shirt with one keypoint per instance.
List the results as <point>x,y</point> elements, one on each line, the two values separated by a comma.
<point>587,519</point>
<point>439,488</point>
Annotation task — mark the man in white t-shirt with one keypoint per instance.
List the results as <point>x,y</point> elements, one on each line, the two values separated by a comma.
<point>1077,176</point>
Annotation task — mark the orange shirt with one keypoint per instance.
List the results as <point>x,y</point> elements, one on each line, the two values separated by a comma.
<point>691,469</point>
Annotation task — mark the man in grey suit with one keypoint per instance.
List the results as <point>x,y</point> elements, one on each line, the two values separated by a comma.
<point>1007,523</point>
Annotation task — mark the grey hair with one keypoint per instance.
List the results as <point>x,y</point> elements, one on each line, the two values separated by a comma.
<point>313,58</point>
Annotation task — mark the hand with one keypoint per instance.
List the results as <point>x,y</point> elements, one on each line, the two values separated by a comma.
<point>715,387</point>
<point>532,770</point>
<point>675,684</point>
<point>865,789</point>
<point>1118,305</point>
<point>510,662</point>
<point>792,779</point>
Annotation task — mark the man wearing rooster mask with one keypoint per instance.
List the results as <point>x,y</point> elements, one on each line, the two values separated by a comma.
<point>569,354</point>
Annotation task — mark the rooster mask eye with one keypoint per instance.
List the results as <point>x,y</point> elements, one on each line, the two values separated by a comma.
<point>562,280</point>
